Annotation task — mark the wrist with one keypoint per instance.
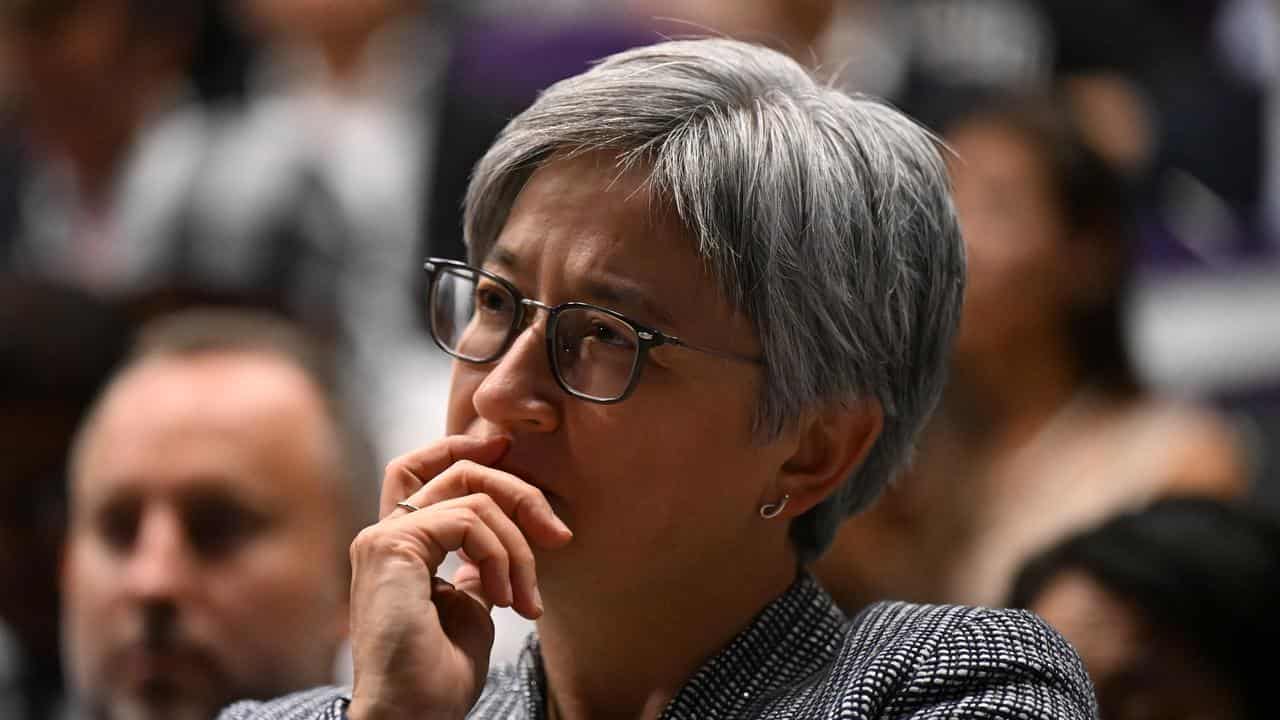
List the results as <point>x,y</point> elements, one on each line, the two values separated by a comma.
<point>365,709</point>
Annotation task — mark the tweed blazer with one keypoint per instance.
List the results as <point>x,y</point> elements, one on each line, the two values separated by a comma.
<point>801,658</point>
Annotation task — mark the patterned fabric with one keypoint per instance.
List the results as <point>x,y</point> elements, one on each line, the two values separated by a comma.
<point>801,658</point>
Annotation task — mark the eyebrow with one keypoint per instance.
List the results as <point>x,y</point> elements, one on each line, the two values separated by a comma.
<point>614,292</point>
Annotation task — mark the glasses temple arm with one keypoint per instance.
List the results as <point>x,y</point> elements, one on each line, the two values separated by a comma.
<point>672,340</point>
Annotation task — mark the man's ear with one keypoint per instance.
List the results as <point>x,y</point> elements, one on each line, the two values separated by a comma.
<point>830,445</point>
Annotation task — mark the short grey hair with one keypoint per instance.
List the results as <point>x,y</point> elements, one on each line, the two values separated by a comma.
<point>825,218</point>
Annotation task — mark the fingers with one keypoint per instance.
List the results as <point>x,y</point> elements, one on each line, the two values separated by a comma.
<point>409,472</point>
<point>504,567</point>
<point>467,579</point>
<point>491,516</point>
<point>523,502</point>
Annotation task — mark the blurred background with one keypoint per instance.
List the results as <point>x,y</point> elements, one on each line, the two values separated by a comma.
<point>306,155</point>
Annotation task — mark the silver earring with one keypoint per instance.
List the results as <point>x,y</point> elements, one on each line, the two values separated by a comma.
<point>769,511</point>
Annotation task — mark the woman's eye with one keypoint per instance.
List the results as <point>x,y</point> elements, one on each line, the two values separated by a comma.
<point>609,335</point>
<point>490,299</point>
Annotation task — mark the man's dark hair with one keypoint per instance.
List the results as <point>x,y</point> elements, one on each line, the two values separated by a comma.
<point>1198,569</point>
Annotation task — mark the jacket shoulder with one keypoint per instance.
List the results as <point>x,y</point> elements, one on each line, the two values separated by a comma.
<point>324,703</point>
<point>935,661</point>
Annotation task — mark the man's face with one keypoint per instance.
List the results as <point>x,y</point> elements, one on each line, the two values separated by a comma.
<point>204,560</point>
<point>668,479</point>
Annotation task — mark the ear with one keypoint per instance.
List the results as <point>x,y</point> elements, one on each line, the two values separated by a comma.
<point>830,445</point>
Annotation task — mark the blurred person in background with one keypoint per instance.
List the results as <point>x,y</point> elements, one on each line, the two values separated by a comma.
<point>792,26</point>
<point>1172,609</point>
<point>215,487</point>
<point>57,348</point>
<point>100,144</point>
<point>1044,427</point>
<point>316,187</point>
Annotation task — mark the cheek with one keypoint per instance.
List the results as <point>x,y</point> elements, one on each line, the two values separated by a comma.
<point>277,594</point>
<point>90,589</point>
<point>91,579</point>
<point>464,381</point>
<point>666,458</point>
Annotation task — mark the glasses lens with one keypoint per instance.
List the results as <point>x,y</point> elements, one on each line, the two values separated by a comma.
<point>471,315</point>
<point>595,353</point>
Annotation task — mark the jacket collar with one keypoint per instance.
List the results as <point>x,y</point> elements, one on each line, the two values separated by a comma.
<point>793,637</point>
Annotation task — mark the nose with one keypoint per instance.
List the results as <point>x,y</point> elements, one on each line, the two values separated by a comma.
<point>517,393</point>
<point>160,565</point>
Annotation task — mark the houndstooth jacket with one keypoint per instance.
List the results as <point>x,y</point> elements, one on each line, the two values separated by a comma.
<point>801,658</point>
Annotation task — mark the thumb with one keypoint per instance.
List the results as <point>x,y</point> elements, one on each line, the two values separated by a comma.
<point>464,616</point>
<point>467,579</point>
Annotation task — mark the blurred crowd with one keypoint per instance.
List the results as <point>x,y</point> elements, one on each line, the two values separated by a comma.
<point>213,219</point>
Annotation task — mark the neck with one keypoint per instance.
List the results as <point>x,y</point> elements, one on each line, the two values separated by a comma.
<point>1001,397</point>
<point>628,654</point>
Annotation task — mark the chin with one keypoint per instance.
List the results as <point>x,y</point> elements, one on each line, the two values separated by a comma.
<point>172,709</point>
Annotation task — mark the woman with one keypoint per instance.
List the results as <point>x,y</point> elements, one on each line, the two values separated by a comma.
<point>651,496</point>
<point>1044,428</point>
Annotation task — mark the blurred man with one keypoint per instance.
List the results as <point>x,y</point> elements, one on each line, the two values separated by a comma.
<point>99,144</point>
<point>204,487</point>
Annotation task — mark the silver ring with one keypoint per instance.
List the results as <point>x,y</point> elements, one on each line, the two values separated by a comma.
<point>408,506</point>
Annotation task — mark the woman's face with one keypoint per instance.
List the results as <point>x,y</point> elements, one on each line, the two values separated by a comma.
<point>1019,285</point>
<point>670,475</point>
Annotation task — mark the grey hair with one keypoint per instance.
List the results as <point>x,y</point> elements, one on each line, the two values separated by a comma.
<point>825,218</point>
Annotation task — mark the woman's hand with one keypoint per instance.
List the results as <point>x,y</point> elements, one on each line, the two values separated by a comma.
<point>421,645</point>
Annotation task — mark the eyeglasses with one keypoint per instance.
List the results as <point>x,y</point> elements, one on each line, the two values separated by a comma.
<point>596,353</point>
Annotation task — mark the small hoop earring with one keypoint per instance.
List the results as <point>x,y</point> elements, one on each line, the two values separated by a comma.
<point>769,511</point>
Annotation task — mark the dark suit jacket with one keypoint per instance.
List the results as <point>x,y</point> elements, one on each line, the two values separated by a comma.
<point>801,658</point>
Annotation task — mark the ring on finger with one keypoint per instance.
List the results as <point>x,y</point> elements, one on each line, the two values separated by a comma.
<point>408,506</point>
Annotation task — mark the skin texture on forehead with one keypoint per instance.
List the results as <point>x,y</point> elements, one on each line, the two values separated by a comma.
<point>617,258</point>
<point>203,561</point>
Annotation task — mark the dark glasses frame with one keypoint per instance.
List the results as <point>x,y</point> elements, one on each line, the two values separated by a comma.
<point>648,337</point>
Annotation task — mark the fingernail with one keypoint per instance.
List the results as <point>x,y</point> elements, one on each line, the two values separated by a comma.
<point>537,599</point>
<point>564,529</point>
